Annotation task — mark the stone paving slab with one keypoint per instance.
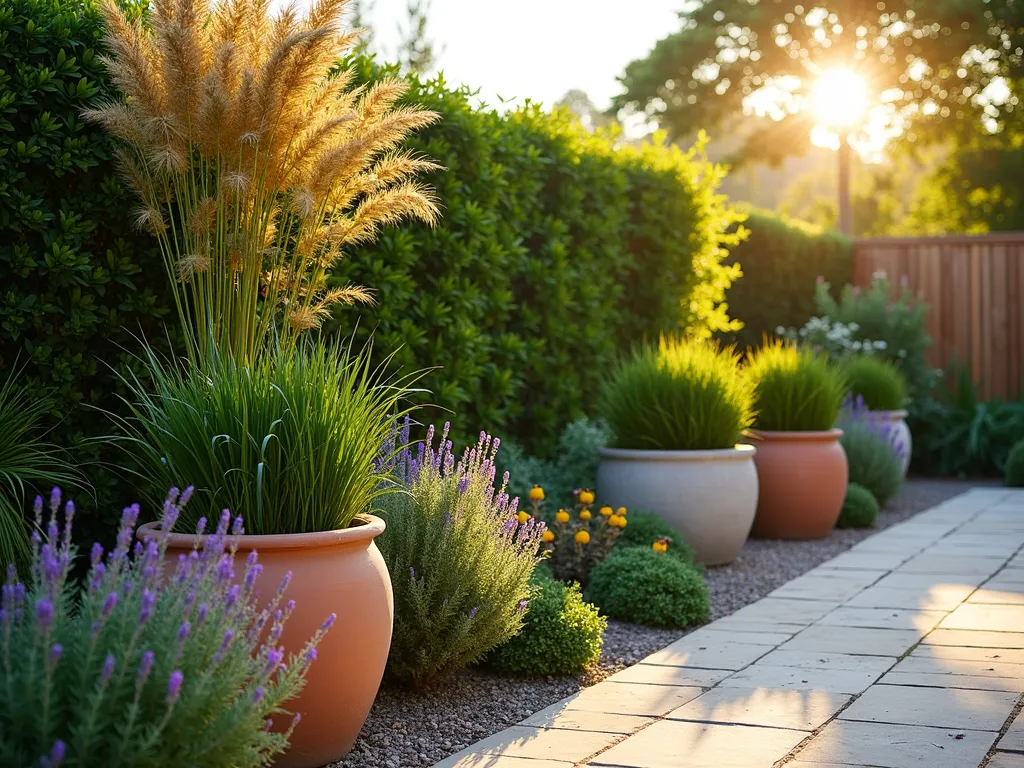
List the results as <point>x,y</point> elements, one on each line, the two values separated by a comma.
<point>907,651</point>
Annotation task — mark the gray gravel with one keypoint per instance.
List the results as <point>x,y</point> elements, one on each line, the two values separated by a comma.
<point>414,729</point>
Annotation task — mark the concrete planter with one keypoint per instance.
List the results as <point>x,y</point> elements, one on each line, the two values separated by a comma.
<point>710,497</point>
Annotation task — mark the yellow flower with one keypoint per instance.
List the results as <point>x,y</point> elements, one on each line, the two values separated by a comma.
<point>562,516</point>
<point>582,537</point>
<point>622,521</point>
<point>536,493</point>
<point>523,517</point>
<point>617,521</point>
<point>661,545</point>
<point>547,537</point>
<point>586,496</point>
<point>585,515</point>
<point>606,511</point>
<point>621,511</point>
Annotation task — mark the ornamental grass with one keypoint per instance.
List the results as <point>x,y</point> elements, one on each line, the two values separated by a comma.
<point>255,163</point>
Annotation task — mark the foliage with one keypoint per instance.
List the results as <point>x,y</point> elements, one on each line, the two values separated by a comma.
<point>291,437</point>
<point>780,258</point>
<point>1014,470</point>
<point>460,562</point>
<point>876,314</point>
<point>542,270</point>
<point>575,462</point>
<point>416,49</point>
<point>256,168</point>
<point>878,382</point>
<point>930,60</point>
<point>795,389</point>
<point>837,340</point>
<point>683,395</point>
<point>646,528</point>
<point>644,586</point>
<point>27,461</point>
<point>955,434</point>
<point>78,283</point>
<point>860,508</point>
<point>873,459</point>
<point>562,634</point>
<point>143,664</point>
<point>579,537</point>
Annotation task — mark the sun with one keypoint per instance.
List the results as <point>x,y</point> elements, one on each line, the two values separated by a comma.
<point>839,99</point>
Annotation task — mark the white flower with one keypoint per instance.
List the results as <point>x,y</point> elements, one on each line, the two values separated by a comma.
<point>902,353</point>
<point>780,331</point>
<point>853,327</point>
<point>880,345</point>
<point>857,345</point>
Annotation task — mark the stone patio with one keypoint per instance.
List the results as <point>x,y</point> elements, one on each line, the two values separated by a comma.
<point>905,652</point>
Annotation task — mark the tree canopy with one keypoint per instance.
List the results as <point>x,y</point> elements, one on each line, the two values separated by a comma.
<point>932,67</point>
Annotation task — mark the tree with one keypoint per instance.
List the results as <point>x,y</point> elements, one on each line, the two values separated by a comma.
<point>932,66</point>
<point>362,12</point>
<point>579,103</point>
<point>416,49</point>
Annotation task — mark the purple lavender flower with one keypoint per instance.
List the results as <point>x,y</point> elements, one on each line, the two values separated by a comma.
<point>44,614</point>
<point>185,496</point>
<point>472,612</point>
<point>145,667</point>
<point>232,596</point>
<point>259,693</point>
<point>412,573</point>
<point>56,650</point>
<point>108,668</point>
<point>284,583</point>
<point>57,753</point>
<point>55,495</point>
<point>109,605</point>
<point>174,686</point>
<point>523,605</point>
<point>183,631</point>
<point>202,612</point>
<point>97,553</point>
<point>251,575</point>
<point>311,655</point>
<point>146,607</point>
<point>274,657</point>
<point>237,527</point>
<point>224,570</point>
<point>201,526</point>
<point>328,622</point>
<point>289,606</point>
<point>37,508</point>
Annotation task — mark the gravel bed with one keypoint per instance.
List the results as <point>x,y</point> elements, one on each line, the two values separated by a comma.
<point>415,729</point>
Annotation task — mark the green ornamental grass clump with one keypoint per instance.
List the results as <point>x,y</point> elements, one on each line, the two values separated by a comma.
<point>644,586</point>
<point>1015,466</point>
<point>795,390</point>
<point>138,664</point>
<point>459,559</point>
<point>877,381</point>
<point>291,437</point>
<point>562,634</point>
<point>682,395</point>
<point>871,458</point>
<point>646,528</point>
<point>860,508</point>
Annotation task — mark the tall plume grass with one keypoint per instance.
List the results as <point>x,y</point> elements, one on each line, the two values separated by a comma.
<point>256,163</point>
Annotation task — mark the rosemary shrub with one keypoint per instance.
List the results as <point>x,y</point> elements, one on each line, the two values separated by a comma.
<point>143,665</point>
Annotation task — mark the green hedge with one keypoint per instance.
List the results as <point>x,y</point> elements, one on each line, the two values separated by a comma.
<point>781,259</point>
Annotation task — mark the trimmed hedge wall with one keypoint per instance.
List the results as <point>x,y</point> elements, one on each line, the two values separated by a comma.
<point>781,259</point>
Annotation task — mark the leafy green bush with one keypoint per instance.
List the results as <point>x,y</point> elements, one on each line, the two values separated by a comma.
<point>639,585</point>
<point>1014,473</point>
<point>79,283</point>
<point>292,437</point>
<point>871,457</point>
<point>781,257</point>
<point>562,634</point>
<point>795,389</point>
<point>878,382</point>
<point>557,250</point>
<point>460,562</point>
<point>645,528</point>
<point>956,434</point>
<point>140,665</point>
<point>680,396</point>
<point>860,508</point>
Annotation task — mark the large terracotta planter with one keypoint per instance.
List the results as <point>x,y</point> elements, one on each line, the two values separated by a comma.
<point>708,496</point>
<point>802,479</point>
<point>336,571</point>
<point>899,434</point>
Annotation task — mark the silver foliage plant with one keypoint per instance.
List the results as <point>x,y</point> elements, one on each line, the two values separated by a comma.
<point>459,554</point>
<point>143,664</point>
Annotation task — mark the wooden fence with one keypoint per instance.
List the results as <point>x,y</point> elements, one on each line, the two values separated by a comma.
<point>974,286</point>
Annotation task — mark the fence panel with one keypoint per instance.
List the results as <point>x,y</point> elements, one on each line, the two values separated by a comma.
<point>974,286</point>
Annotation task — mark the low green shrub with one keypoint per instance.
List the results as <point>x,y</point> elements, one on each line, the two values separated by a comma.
<point>1014,473</point>
<point>292,437</point>
<point>873,462</point>
<point>682,395</point>
<point>860,508</point>
<point>877,382</point>
<point>795,389</point>
<point>140,664</point>
<point>781,257</point>
<point>645,528</point>
<point>642,586</point>
<point>562,634</point>
<point>459,559</point>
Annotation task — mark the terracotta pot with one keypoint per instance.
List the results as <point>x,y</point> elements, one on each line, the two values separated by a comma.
<point>338,572</point>
<point>802,479</point>
<point>708,496</point>
<point>899,434</point>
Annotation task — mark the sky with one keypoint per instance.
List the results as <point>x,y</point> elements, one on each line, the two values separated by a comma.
<point>536,49</point>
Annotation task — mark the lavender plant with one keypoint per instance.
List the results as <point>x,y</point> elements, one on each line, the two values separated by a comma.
<point>143,664</point>
<point>873,451</point>
<point>459,557</point>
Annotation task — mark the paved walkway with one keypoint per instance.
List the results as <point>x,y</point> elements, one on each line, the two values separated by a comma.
<point>905,652</point>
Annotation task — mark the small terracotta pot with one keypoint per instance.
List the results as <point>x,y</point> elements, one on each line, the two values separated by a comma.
<point>338,572</point>
<point>802,479</point>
